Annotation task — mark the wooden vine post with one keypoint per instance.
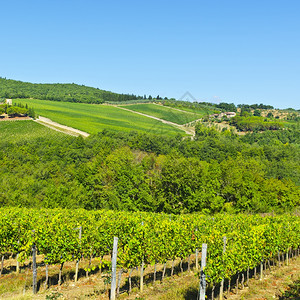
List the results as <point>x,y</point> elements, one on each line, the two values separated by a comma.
<point>197,253</point>
<point>222,282</point>
<point>261,270</point>
<point>2,264</point>
<point>197,263</point>
<point>201,295</point>
<point>18,263</point>
<point>77,262</point>
<point>34,269</point>
<point>142,277</point>
<point>114,270</point>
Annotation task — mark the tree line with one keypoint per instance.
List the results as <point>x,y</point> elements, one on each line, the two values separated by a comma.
<point>218,171</point>
<point>59,92</point>
<point>17,110</point>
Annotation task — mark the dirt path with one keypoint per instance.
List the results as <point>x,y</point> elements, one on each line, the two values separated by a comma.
<point>61,128</point>
<point>187,130</point>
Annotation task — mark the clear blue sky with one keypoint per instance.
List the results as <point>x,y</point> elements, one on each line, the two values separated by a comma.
<point>232,51</point>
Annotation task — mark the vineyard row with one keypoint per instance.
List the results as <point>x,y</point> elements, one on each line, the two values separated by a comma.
<point>147,238</point>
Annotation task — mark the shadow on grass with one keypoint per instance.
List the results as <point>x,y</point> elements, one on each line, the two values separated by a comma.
<point>191,294</point>
<point>293,292</point>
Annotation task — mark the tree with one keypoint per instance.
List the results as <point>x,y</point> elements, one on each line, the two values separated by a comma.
<point>245,112</point>
<point>256,113</point>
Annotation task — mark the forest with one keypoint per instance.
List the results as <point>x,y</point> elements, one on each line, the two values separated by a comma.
<point>218,171</point>
<point>59,92</point>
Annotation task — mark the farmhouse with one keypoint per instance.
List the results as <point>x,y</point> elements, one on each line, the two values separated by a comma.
<point>8,101</point>
<point>229,115</point>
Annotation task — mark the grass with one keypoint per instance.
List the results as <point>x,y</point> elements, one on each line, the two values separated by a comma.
<point>93,118</point>
<point>16,131</point>
<point>165,113</point>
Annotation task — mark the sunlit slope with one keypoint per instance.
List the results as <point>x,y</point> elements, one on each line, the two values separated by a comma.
<point>94,118</point>
<point>165,113</point>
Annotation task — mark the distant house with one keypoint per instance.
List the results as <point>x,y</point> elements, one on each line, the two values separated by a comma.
<point>230,114</point>
<point>219,116</point>
<point>8,101</point>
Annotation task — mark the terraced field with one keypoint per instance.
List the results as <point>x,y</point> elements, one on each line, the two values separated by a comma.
<point>165,113</point>
<point>94,118</point>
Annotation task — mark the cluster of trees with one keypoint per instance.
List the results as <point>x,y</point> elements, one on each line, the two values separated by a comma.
<point>255,106</point>
<point>17,110</point>
<point>293,117</point>
<point>254,123</point>
<point>130,171</point>
<point>243,107</point>
<point>226,106</point>
<point>59,92</point>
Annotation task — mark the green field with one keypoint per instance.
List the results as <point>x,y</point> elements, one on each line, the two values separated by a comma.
<point>200,110</point>
<point>17,131</point>
<point>93,118</point>
<point>165,113</point>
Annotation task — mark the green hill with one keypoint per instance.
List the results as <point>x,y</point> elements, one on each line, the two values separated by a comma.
<point>94,118</point>
<point>165,113</point>
<point>59,92</point>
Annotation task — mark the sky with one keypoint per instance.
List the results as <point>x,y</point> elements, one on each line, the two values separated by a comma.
<point>217,50</point>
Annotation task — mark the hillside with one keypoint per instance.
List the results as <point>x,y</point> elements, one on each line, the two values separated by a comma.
<point>59,92</point>
<point>166,113</point>
<point>95,118</point>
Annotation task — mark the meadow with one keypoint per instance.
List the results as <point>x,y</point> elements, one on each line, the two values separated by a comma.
<point>165,113</point>
<point>93,118</point>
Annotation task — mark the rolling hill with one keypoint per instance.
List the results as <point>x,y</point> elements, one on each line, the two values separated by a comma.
<point>94,118</point>
<point>69,92</point>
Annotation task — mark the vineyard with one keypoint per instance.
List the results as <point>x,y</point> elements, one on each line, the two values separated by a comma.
<point>62,236</point>
<point>165,113</point>
<point>95,118</point>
